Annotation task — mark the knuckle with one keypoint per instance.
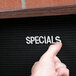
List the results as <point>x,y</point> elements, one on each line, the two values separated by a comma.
<point>36,62</point>
<point>67,70</point>
<point>60,65</point>
<point>64,65</point>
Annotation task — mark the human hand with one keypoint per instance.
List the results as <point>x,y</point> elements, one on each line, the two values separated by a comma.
<point>49,64</point>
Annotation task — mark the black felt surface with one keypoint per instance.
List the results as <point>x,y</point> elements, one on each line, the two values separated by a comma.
<point>17,58</point>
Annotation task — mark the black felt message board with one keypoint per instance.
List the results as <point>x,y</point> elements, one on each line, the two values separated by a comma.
<point>17,57</point>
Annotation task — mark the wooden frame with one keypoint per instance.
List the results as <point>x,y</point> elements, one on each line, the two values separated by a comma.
<point>43,11</point>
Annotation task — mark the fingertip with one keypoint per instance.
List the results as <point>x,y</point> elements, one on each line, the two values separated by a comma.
<point>58,43</point>
<point>52,51</point>
<point>55,48</point>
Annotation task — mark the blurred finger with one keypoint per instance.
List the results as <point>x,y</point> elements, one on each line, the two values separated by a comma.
<point>57,60</point>
<point>60,65</point>
<point>52,51</point>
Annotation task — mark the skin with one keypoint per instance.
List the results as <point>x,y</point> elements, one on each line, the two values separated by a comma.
<point>49,64</point>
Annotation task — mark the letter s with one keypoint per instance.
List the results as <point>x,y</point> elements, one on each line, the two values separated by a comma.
<point>57,38</point>
<point>28,40</point>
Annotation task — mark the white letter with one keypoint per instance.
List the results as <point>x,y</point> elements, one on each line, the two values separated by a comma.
<point>40,38</point>
<point>48,40</point>
<point>28,40</point>
<point>32,39</point>
<point>36,39</point>
<point>52,39</point>
<point>57,38</point>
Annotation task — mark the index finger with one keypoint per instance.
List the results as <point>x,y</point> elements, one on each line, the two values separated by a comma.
<point>52,51</point>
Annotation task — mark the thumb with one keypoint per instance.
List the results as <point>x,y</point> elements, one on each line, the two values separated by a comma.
<point>52,51</point>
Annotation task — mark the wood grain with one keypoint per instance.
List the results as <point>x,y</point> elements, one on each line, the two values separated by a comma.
<point>34,12</point>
